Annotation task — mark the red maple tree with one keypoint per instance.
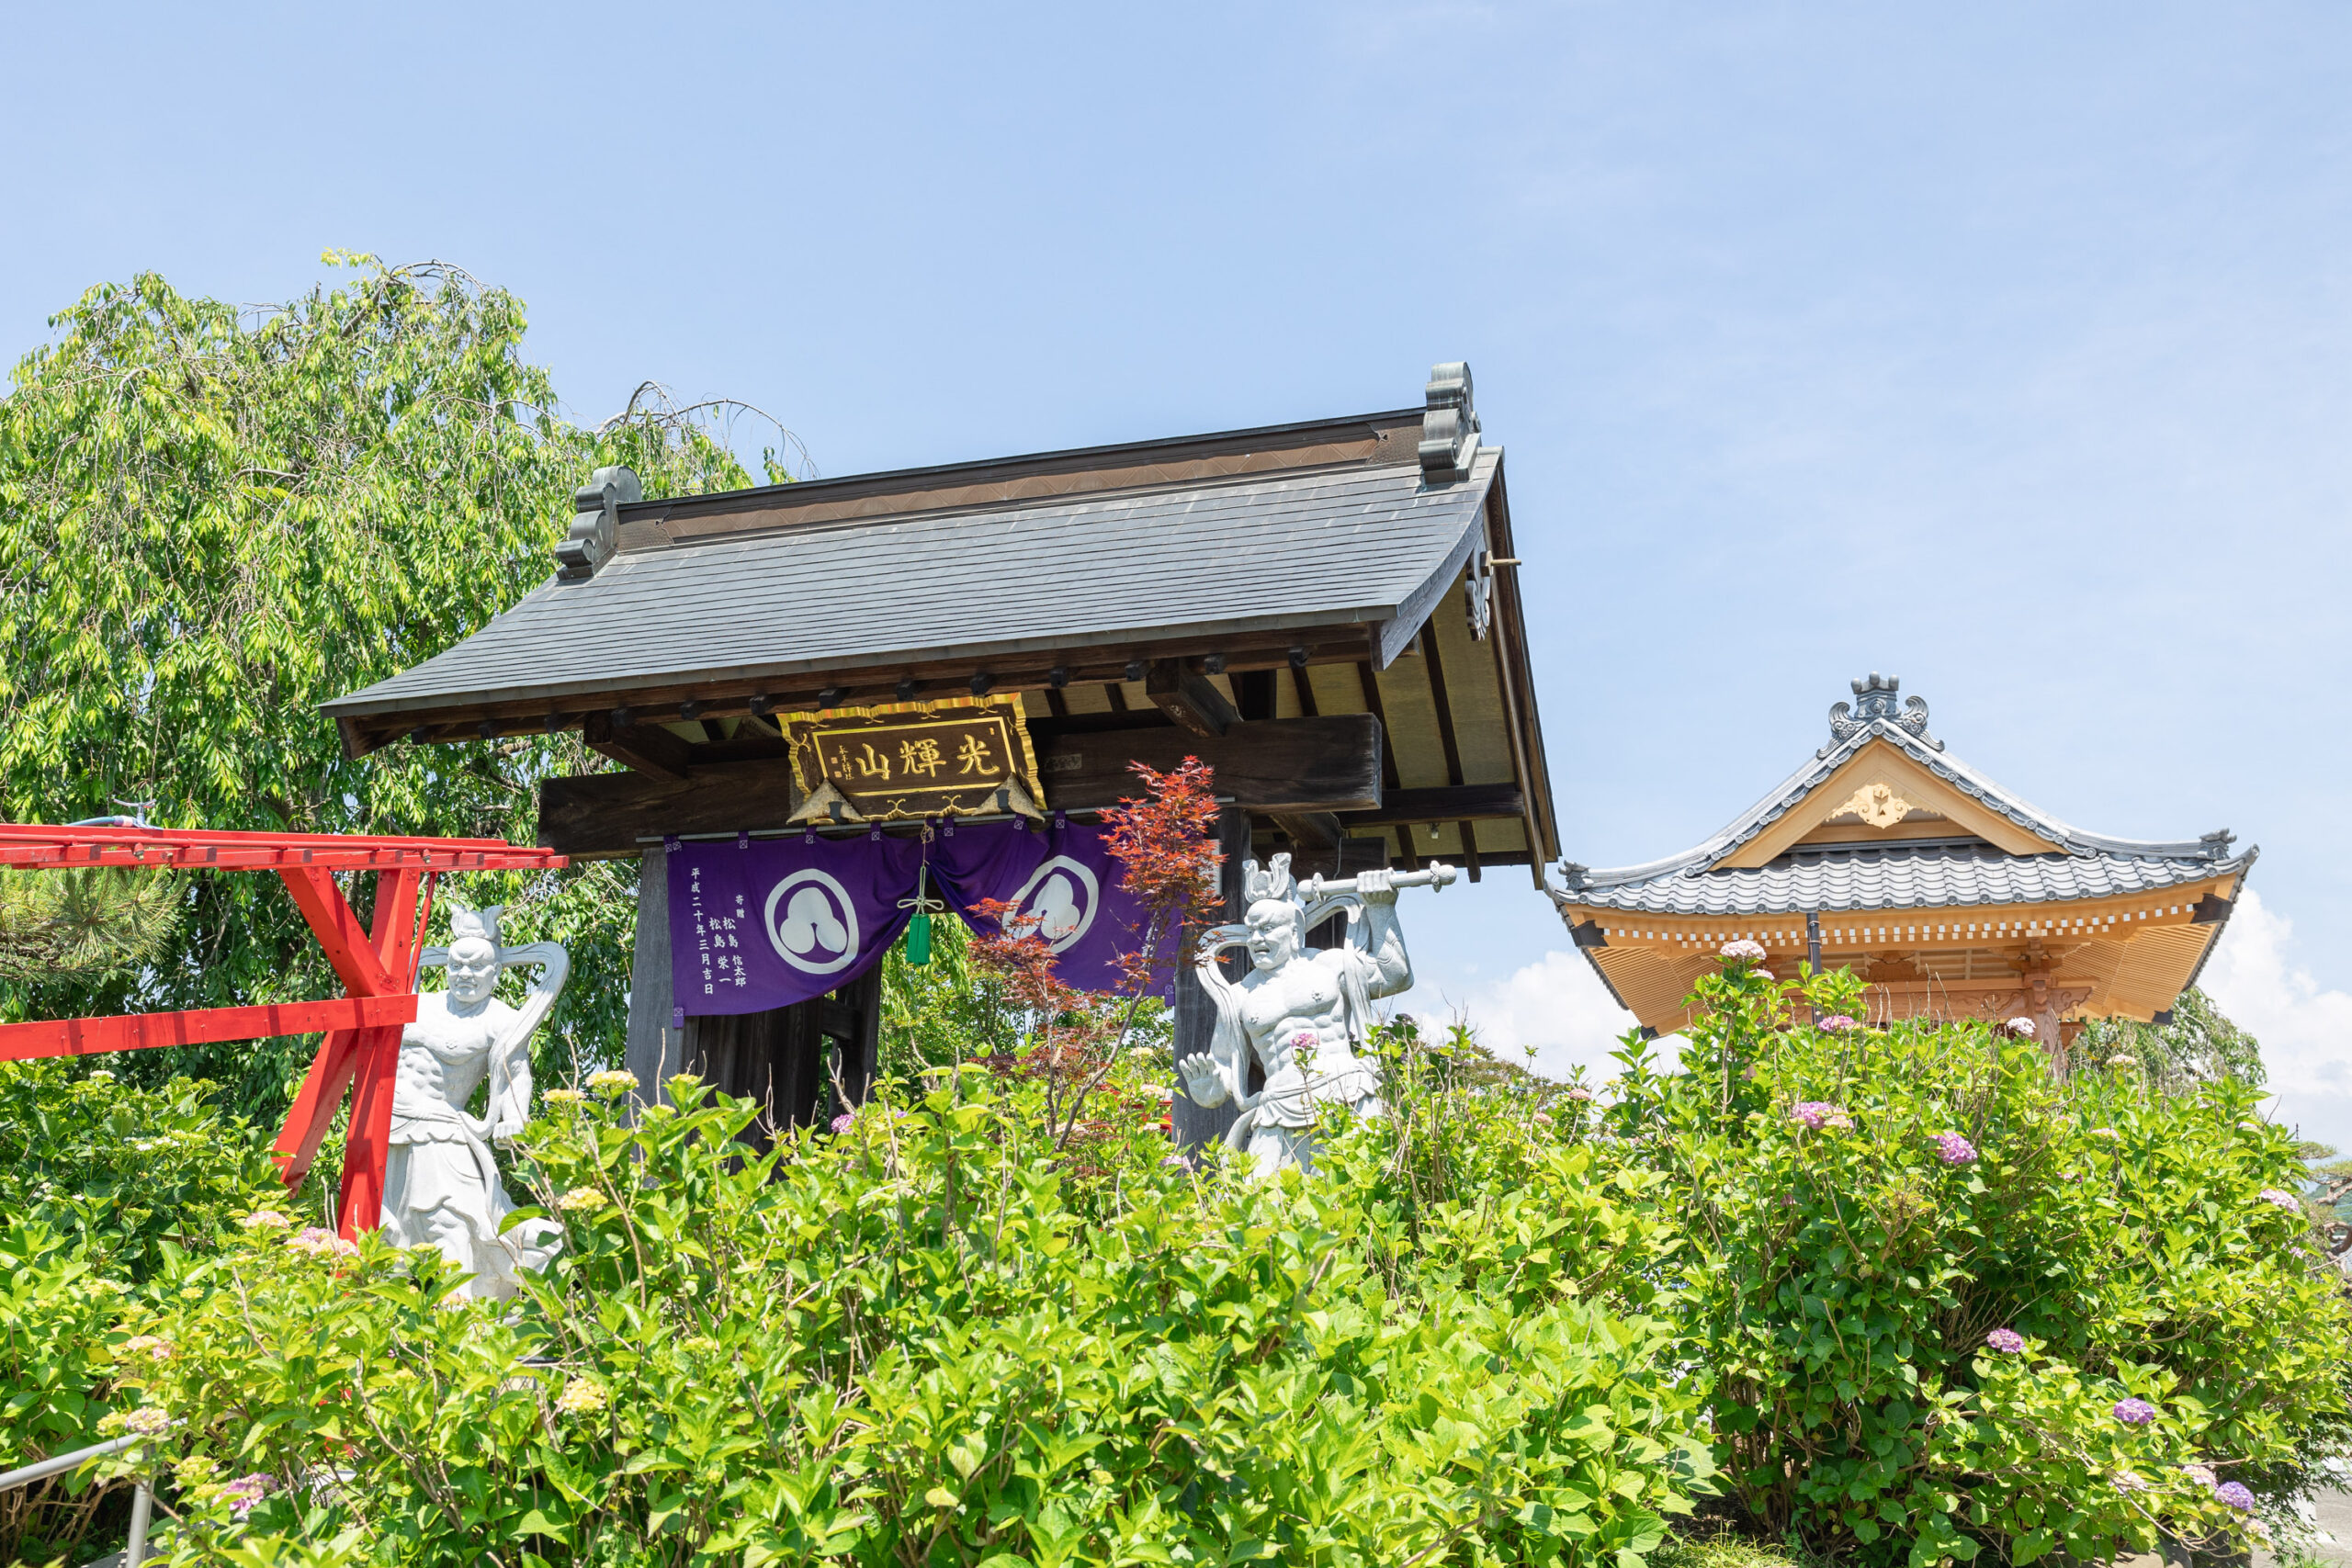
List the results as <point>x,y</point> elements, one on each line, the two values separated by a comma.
<point>1168,862</point>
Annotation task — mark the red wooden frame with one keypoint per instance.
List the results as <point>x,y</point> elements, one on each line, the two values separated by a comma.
<point>378,966</point>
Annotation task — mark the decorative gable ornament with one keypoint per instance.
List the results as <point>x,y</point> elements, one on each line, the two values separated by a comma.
<point>1875,703</point>
<point>1875,805</point>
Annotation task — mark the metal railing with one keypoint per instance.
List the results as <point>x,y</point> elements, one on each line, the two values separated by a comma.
<point>143,1500</point>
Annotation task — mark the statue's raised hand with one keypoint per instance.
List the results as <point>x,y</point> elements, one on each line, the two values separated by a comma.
<point>1376,887</point>
<point>1201,1080</point>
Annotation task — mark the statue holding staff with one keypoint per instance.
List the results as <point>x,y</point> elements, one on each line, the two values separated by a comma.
<point>441,1186</point>
<point>1304,1014</point>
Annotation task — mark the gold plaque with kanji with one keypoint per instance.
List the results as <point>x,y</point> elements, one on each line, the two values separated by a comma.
<point>948,755</point>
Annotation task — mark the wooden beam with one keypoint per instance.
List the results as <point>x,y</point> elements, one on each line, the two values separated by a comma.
<point>1330,763</point>
<point>1327,764</point>
<point>1186,695</point>
<point>648,748</point>
<point>1350,856</point>
<point>734,693</point>
<point>1462,803</point>
<point>1308,829</point>
<point>607,813</point>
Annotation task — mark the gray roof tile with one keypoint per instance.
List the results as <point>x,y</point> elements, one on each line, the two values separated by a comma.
<point>1899,876</point>
<point>1327,546</point>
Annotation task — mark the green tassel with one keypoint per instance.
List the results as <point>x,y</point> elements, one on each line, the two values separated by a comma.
<point>919,938</point>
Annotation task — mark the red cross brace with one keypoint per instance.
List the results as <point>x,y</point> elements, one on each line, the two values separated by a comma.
<point>378,966</point>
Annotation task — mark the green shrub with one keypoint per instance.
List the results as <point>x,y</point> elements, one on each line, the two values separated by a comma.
<point>922,1341</point>
<point>1875,1213</point>
<point>102,1187</point>
<point>130,1175</point>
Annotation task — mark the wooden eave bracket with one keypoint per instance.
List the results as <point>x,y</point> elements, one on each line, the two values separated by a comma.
<point>1189,697</point>
<point>647,747</point>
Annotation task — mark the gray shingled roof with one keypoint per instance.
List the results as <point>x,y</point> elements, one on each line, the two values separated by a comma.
<point>1919,875</point>
<point>1322,547</point>
<point>1930,755</point>
<point>1893,876</point>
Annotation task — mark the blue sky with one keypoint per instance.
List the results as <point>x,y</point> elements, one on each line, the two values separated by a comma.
<point>2007,347</point>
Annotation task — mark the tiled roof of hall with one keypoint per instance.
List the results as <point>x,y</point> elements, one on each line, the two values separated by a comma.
<point>1913,874</point>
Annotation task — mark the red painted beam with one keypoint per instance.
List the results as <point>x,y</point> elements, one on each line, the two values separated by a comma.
<point>315,1104</point>
<point>345,941</point>
<point>35,846</point>
<point>139,1032</point>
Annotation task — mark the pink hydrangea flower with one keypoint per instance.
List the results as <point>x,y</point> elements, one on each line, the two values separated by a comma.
<point>245,1492</point>
<point>1818,1114</point>
<point>2007,1341</point>
<point>2134,1412</point>
<point>1577,1091</point>
<point>1953,1150</point>
<point>1743,951</point>
<point>1838,1023</point>
<point>2127,1481</point>
<point>2281,1199</point>
<point>266,1220</point>
<point>2021,1027</point>
<point>2202,1474</point>
<point>843,1123</point>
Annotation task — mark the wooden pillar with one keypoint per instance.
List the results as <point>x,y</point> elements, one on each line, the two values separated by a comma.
<point>1195,1013</point>
<point>654,1050</point>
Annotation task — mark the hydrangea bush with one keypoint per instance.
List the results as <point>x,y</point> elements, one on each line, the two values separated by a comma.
<point>1946,1304</point>
<point>906,1342</point>
<point>102,1186</point>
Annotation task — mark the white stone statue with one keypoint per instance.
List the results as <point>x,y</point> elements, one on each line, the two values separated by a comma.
<point>441,1186</point>
<point>1305,1013</point>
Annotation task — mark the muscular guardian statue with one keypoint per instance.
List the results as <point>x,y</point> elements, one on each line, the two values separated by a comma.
<point>441,1186</point>
<point>1303,1014</point>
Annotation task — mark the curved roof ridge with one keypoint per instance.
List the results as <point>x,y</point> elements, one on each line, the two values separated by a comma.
<point>1929,754</point>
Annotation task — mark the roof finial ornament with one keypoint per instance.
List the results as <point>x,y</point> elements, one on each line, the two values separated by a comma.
<point>1449,424</point>
<point>1876,703</point>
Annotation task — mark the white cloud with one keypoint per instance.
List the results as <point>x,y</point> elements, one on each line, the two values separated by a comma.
<point>2305,1032</point>
<point>1557,1005</point>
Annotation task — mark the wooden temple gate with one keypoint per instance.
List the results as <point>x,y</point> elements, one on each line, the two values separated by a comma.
<point>1327,612</point>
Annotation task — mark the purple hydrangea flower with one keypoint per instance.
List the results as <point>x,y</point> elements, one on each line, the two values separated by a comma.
<point>2284,1200</point>
<point>2236,1494</point>
<point>2007,1341</point>
<point>2134,1412</point>
<point>1818,1114</point>
<point>1838,1023</point>
<point>1953,1150</point>
<point>843,1123</point>
<point>245,1492</point>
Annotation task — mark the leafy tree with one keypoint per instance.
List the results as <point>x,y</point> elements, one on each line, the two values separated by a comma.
<point>212,519</point>
<point>2199,1046</point>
